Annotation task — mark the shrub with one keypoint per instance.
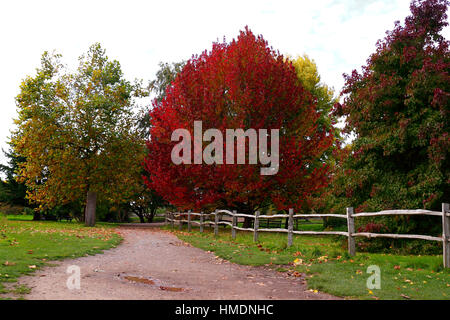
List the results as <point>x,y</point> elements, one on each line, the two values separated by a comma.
<point>28,211</point>
<point>11,209</point>
<point>373,227</point>
<point>333,223</point>
<point>399,246</point>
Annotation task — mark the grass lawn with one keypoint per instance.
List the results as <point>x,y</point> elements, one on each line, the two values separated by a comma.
<point>328,267</point>
<point>27,245</point>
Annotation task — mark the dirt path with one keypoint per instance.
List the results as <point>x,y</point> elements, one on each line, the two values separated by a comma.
<point>154,264</point>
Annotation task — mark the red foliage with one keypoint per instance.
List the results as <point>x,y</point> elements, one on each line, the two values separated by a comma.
<point>243,84</point>
<point>373,228</point>
<point>397,108</point>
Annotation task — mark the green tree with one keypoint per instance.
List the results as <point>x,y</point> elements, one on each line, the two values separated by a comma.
<point>78,134</point>
<point>13,192</point>
<point>164,77</point>
<point>398,110</point>
<point>3,191</point>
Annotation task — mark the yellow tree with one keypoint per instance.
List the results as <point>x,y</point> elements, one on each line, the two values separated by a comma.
<point>308,75</point>
<point>77,132</point>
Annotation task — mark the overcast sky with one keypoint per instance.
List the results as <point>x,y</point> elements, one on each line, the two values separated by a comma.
<point>338,34</point>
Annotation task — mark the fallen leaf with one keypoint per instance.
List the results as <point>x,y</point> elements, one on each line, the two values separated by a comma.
<point>298,262</point>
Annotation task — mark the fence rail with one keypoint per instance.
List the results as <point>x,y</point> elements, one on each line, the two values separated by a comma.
<point>186,217</point>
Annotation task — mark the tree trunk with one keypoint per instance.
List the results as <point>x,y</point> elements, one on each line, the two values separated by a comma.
<point>141,217</point>
<point>36,215</point>
<point>247,221</point>
<point>152,214</point>
<point>91,203</point>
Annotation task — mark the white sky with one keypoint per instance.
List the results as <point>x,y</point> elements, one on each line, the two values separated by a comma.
<point>338,34</point>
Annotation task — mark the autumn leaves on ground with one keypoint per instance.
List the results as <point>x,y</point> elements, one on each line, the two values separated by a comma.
<point>88,147</point>
<point>26,246</point>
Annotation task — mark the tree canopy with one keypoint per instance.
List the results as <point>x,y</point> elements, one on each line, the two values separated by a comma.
<point>77,132</point>
<point>398,110</point>
<point>243,84</point>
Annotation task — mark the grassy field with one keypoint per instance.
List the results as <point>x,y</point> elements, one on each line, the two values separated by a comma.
<point>328,267</point>
<point>26,246</point>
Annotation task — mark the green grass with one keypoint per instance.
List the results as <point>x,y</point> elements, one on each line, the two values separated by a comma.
<point>19,217</point>
<point>155,219</point>
<point>328,267</point>
<point>26,246</point>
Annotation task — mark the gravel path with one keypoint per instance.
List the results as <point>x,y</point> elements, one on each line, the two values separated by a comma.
<point>155,264</point>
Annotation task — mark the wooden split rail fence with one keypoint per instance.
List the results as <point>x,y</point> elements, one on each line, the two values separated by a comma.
<point>215,219</point>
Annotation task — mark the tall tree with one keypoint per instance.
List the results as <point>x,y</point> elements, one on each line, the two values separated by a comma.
<point>78,133</point>
<point>398,109</point>
<point>164,77</point>
<point>146,200</point>
<point>239,85</point>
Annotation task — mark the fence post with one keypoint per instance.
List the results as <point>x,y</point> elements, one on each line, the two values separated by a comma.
<point>172,222</point>
<point>351,230</point>
<point>446,234</point>
<point>201,221</point>
<point>216,223</point>
<point>189,221</point>
<point>256,226</point>
<point>234,223</point>
<point>166,221</point>
<point>180,226</point>
<point>290,226</point>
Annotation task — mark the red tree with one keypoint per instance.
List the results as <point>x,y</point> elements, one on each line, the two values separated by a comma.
<point>243,84</point>
<point>398,109</point>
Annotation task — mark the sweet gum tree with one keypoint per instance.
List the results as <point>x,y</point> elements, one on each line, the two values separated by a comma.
<point>77,133</point>
<point>398,109</point>
<point>243,84</point>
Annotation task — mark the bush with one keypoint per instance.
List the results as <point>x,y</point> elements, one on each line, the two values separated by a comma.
<point>11,209</point>
<point>333,223</point>
<point>28,211</point>
<point>107,213</point>
<point>397,225</point>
